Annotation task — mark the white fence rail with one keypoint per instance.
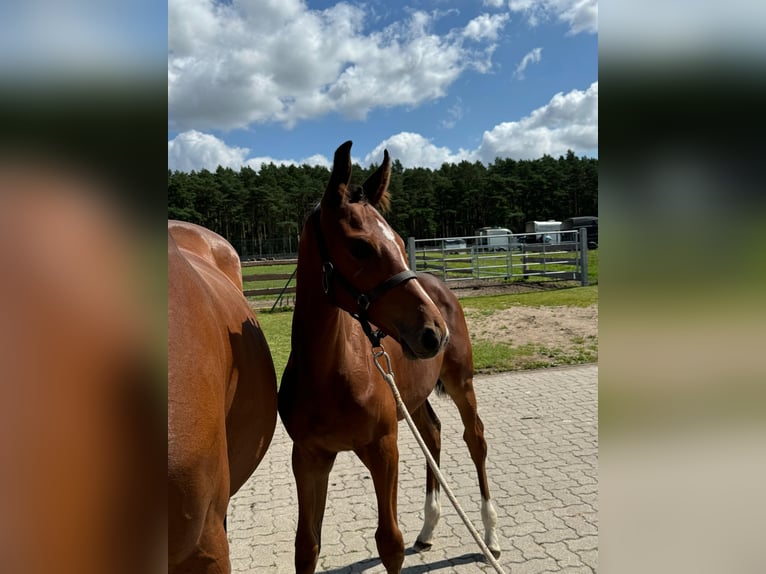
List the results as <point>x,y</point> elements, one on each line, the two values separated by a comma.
<point>453,259</point>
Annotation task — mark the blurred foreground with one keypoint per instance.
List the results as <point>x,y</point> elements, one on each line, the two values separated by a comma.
<point>82,313</point>
<point>682,377</point>
<point>82,397</point>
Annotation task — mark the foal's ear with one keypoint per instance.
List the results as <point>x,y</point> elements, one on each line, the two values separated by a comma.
<point>376,186</point>
<point>335,192</point>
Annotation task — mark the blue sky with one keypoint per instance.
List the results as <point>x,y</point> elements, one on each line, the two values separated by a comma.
<point>252,81</point>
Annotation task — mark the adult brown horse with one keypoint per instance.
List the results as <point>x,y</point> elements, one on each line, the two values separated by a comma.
<point>222,395</point>
<point>333,399</point>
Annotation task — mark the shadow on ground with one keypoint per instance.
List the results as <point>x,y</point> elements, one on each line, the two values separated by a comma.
<point>366,564</point>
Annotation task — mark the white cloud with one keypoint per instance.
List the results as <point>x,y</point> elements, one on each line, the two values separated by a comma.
<point>193,151</point>
<point>568,121</point>
<point>532,57</point>
<point>485,26</point>
<point>316,159</point>
<point>414,150</point>
<point>230,66</point>
<point>454,115</point>
<point>580,15</point>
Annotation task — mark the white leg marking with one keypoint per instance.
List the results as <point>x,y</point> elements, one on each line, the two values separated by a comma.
<point>489,518</point>
<point>432,513</point>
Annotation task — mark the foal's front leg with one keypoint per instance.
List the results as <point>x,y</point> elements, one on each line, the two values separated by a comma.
<point>311,470</point>
<point>382,459</point>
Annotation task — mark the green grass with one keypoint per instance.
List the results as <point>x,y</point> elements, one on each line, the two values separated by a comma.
<point>593,266</point>
<point>489,357</point>
<point>571,297</point>
<point>277,327</point>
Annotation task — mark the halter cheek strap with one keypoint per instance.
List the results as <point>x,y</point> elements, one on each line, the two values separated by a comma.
<point>363,300</point>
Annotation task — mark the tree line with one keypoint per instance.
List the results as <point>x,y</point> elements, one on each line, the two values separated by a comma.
<point>261,212</point>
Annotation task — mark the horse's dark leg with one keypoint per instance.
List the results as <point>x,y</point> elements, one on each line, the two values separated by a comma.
<point>463,394</point>
<point>311,470</point>
<point>382,459</point>
<point>429,426</point>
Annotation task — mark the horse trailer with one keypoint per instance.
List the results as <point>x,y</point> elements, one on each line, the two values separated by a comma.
<point>590,223</point>
<point>544,231</point>
<point>496,239</point>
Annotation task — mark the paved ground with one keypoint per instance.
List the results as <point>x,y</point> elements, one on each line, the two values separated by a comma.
<point>542,431</point>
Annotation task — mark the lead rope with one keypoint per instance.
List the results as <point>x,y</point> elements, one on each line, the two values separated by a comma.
<point>388,375</point>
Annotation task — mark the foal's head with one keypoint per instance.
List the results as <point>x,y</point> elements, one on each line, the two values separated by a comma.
<point>365,252</point>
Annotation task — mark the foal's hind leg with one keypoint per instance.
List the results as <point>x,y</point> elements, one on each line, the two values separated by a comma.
<point>311,470</point>
<point>463,394</point>
<point>382,459</point>
<point>429,426</point>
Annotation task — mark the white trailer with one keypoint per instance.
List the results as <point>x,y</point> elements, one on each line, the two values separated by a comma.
<point>494,238</point>
<point>545,231</point>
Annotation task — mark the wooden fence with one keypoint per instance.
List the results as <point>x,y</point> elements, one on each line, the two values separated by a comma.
<point>280,284</point>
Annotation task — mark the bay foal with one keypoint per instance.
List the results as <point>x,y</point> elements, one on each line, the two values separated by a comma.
<point>333,399</point>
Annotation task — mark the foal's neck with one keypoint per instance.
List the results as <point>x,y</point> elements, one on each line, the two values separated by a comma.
<point>320,329</point>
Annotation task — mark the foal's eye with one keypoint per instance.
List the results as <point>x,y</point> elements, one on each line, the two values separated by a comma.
<point>360,249</point>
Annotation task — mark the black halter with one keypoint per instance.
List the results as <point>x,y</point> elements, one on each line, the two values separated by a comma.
<point>363,300</point>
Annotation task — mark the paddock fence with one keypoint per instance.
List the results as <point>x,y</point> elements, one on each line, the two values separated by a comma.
<point>453,259</point>
<point>273,288</point>
<point>507,257</point>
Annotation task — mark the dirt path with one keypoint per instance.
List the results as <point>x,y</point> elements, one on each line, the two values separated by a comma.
<point>555,327</point>
<point>535,336</point>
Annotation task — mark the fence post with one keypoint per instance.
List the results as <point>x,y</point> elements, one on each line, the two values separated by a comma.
<point>524,261</point>
<point>411,253</point>
<point>444,262</point>
<point>583,256</point>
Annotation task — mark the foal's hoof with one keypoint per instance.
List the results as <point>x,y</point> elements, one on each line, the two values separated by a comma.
<point>422,546</point>
<point>495,553</point>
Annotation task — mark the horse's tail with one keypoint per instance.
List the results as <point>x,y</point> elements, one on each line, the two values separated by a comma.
<point>440,390</point>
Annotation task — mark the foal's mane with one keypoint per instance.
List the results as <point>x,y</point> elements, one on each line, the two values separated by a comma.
<point>356,194</point>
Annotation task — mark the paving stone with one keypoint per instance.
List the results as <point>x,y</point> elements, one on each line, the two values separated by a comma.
<point>537,566</point>
<point>583,543</point>
<point>529,548</point>
<point>543,476</point>
<point>562,554</point>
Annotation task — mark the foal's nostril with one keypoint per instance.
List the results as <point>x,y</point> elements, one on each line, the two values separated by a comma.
<point>430,340</point>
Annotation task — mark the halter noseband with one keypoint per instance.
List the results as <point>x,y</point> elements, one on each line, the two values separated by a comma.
<point>363,300</point>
